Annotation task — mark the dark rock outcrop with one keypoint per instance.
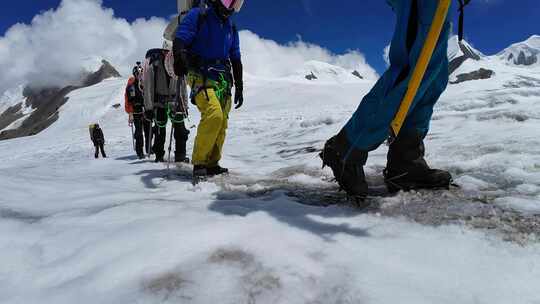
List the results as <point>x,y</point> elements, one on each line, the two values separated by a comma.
<point>357,74</point>
<point>105,71</point>
<point>46,103</point>
<point>311,76</point>
<point>475,75</point>
<point>11,115</point>
<point>523,59</point>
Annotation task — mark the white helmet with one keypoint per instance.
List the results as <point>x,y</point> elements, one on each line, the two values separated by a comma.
<point>167,44</point>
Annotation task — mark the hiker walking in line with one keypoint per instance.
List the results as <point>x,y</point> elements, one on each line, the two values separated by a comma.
<point>207,50</point>
<point>98,139</point>
<point>161,105</point>
<point>134,106</point>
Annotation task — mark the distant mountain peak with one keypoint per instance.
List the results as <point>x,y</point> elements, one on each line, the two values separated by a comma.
<point>525,53</point>
<point>323,71</point>
<point>45,103</point>
<point>458,48</point>
<point>105,71</point>
<point>459,52</point>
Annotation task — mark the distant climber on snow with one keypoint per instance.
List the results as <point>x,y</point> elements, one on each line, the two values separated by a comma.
<point>134,106</point>
<point>400,104</point>
<point>207,50</point>
<point>98,139</point>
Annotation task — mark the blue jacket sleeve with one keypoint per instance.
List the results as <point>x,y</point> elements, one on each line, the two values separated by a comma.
<point>187,29</point>
<point>235,46</point>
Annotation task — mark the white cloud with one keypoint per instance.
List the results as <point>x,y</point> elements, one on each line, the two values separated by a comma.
<point>386,55</point>
<point>267,58</point>
<point>58,44</point>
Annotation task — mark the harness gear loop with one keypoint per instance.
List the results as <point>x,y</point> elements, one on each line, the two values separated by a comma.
<point>161,124</point>
<point>221,87</point>
<point>172,115</point>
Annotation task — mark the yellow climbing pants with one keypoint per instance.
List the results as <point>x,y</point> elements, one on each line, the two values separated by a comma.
<point>212,127</point>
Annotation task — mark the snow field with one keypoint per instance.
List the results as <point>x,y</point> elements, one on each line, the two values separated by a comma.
<point>73,229</point>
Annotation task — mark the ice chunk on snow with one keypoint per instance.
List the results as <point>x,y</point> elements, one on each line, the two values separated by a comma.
<point>525,205</point>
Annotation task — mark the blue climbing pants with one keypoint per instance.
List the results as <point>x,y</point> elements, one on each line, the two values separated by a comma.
<point>370,124</point>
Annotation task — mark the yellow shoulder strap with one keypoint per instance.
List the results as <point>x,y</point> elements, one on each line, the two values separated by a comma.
<point>421,66</point>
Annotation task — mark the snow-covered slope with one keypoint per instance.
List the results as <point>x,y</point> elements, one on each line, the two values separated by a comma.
<point>468,64</point>
<point>324,72</point>
<point>75,229</point>
<point>526,53</point>
<point>28,111</point>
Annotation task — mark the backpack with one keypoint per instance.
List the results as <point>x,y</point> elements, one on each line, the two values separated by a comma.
<point>133,96</point>
<point>185,5</point>
<point>162,79</point>
<point>183,8</point>
<point>462,5</point>
<point>91,130</point>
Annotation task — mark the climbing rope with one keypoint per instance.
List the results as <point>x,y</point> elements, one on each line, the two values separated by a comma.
<point>221,88</point>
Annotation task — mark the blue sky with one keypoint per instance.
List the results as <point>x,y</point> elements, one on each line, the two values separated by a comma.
<point>365,25</point>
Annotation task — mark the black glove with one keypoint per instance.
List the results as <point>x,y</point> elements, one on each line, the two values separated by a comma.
<point>180,58</point>
<point>149,115</point>
<point>238,97</point>
<point>238,82</point>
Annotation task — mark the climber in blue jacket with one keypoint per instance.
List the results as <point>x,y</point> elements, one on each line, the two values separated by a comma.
<point>207,50</point>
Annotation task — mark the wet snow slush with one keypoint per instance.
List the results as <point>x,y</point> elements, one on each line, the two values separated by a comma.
<point>119,230</point>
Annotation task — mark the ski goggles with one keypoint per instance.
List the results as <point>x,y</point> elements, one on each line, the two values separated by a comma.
<point>235,5</point>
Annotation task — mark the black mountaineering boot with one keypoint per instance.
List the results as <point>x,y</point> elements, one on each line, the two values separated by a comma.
<point>199,174</point>
<point>349,172</point>
<point>217,170</point>
<point>408,170</point>
<point>140,153</point>
<point>159,157</point>
<point>181,158</point>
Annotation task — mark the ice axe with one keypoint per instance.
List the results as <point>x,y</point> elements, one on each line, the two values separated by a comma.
<point>180,107</point>
<point>182,99</point>
<point>169,157</point>
<point>132,136</point>
<point>149,138</point>
<point>421,67</point>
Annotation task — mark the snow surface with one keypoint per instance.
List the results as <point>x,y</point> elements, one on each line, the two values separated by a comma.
<point>78,230</point>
